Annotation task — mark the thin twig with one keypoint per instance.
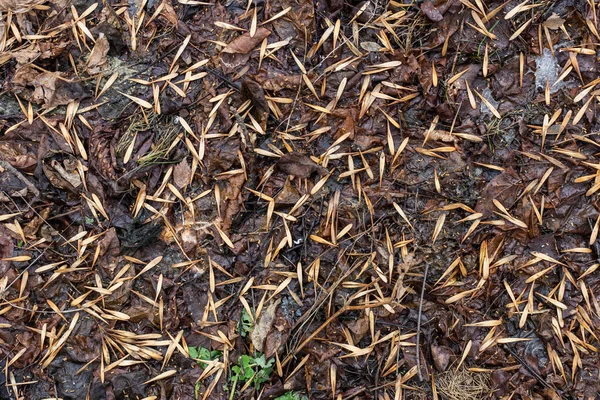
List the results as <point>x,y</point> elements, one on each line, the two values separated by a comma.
<point>526,365</point>
<point>419,321</point>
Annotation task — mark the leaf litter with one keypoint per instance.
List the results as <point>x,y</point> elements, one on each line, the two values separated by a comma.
<point>235,200</point>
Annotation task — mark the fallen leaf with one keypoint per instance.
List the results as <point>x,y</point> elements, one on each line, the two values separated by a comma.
<point>263,326</point>
<point>432,12</point>
<point>245,43</point>
<point>255,93</point>
<point>182,173</point>
<point>98,55</point>
<point>298,165</point>
<point>554,22</point>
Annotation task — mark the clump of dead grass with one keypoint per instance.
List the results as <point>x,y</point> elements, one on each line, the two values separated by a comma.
<point>166,130</point>
<point>463,385</point>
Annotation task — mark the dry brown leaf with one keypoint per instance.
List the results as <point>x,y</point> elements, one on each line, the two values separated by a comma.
<point>554,22</point>
<point>245,43</point>
<point>97,59</point>
<point>299,165</point>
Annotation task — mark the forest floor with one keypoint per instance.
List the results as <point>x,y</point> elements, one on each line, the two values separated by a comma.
<point>297,199</point>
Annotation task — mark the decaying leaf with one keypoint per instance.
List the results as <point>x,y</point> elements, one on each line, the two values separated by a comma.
<point>299,165</point>
<point>97,59</point>
<point>554,22</point>
<point>245,43</point>
<point>263,326</point>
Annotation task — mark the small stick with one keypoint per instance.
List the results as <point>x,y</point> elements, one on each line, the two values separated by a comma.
<point>233,85</point>
<point>419,321</point>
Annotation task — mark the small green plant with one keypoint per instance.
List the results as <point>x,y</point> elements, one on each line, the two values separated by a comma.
<point>256,370</point>
<point>292,396</point>
<point>245,324</point>
<point>201,354</point>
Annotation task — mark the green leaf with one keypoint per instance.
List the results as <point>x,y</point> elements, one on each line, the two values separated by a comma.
<point>256,369</point>
<point>193,350</point>
<point>248,372</point>
<point>197,390</point>
<point>203,353</point>
<point>262,376</point>
<point>292,396</point>
<point>237,371</point>
<point>245,325</point>
<point>263,363</point>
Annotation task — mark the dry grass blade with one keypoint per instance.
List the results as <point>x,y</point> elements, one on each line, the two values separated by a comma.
<point>186,41</point>
<point>519,8</point>
<point>487,324</point>
<point>5,217</point>
<point>546,257</point>
<point>582,111</point>
<point>520,30</point>
<point>464,354</point>
<point>506,215</point>
<point>485,61</point>
<point>482,29</point>
<point>149,266</point>
<point>457,76</point>
<point>164,375</point>
<point>439,225</point>
<point>460,296</point>
<point>489,105</point>
<point>470,95</point>
<point>224,237</point>
<point>403,215</point>
<point>137,100</point>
